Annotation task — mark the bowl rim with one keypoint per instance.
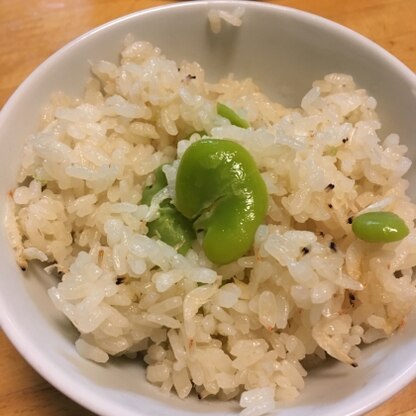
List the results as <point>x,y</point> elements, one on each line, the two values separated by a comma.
<point>21,340</point>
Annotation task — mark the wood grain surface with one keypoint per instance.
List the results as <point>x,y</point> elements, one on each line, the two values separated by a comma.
<point>31,30</point>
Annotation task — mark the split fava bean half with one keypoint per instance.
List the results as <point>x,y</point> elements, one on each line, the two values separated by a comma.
<point>379,227</point>
<point>170,226</point>
<point>219,186</point>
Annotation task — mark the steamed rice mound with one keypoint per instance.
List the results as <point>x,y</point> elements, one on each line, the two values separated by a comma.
<point>307,290</point>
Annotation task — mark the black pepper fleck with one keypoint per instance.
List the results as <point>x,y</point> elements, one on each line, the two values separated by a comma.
<point>119,280</point>
<point>330,206</point>
<point>398,274</point>
<point>349,220</point>
<point>305,250</point>
<point>333,246</point>
<point>355,365</point>
<point>345,140</point>
<point>189,76</point>
<point>329,187</point>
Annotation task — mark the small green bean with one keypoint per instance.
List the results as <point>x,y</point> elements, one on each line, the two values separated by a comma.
<point>379,227</point>
<point>159,183</point>
<point>170,226</point>
<point>232,116</point>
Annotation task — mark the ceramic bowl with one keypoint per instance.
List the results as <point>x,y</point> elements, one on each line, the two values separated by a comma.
<point>283,50</point>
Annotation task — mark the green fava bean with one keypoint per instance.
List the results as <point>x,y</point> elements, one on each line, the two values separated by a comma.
<point>171,226</point>
<point>173,229</point>
<point>159,183</point>
<point>379,227</point>
<point>219,185</point>
<point>232,116</point>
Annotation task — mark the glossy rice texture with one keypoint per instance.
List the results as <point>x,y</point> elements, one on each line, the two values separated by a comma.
<point>306,290</point>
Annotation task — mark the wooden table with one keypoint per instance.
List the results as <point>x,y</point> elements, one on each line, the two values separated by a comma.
<point>31,30</point>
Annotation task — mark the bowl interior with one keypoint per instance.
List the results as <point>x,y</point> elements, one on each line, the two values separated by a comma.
<point>283,50</point>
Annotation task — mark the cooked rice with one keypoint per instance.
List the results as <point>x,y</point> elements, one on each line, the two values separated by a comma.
<point>308,288</point>
<point>217,16</point>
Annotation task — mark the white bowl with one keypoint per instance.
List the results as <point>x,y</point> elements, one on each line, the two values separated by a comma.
<point>283,50</point>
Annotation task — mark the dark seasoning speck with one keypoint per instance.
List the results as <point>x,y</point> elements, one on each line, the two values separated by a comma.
<point>305,250</point>
<point>398,274</point>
